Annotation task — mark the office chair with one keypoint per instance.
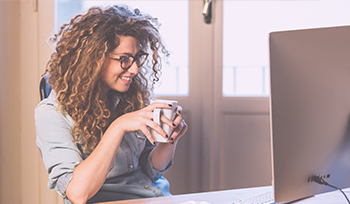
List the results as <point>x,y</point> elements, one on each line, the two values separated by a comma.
<point>44,88</point>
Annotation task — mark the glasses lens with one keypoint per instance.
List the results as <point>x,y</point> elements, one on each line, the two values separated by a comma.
<point>127,62</point>
<point>141,59</point>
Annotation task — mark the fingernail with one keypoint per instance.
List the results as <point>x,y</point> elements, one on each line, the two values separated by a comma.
<point>154,143</point>
<point>174,124</point>
<point>170,105</point>
<point>172,142</point>
<point>172,139</point>
<point>166,136</point>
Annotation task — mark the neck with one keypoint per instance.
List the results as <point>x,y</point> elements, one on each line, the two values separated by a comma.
<point>105,89</point>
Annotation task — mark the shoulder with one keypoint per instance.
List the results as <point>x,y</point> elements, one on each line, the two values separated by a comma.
<point>49,101</point>
<point>46,112</point>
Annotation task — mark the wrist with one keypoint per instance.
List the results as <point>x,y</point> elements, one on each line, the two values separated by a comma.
<point>114,130</point>
<point>116,127</point>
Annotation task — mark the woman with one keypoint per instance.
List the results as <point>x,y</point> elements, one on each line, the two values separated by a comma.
<point>93,131</point>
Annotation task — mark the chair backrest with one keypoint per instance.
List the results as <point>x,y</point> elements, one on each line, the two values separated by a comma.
<point>44,88</point>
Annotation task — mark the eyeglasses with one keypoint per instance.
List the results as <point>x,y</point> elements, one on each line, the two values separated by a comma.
<point>127,60</point>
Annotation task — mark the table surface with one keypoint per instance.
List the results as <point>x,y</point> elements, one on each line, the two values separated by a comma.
<point>230,196</point>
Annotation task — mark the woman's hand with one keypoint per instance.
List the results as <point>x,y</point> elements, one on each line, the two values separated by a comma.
<point>179,126</point>
<point>143,120</point>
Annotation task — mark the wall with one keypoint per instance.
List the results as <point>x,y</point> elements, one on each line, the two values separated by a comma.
<point>22,176</point>
<point>29,78</point>
<point>10,102</point>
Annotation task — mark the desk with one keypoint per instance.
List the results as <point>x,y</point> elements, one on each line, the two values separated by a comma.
<point>229,196</point>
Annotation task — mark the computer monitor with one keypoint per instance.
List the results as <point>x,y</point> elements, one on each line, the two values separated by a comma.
<point>310,110</point>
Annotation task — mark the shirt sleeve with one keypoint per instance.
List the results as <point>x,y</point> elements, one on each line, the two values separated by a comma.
<point>146,163</point>
<point>56,145</point>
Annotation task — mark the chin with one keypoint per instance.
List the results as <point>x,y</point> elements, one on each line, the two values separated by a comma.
<point>122,90</point>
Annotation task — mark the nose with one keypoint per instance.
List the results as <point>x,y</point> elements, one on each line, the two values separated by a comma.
<point>134,69</point>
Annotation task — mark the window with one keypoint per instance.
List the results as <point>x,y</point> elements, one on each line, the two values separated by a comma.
<point>247,25</point>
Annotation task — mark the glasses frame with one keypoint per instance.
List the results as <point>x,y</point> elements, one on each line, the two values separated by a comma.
<point>134,59</point>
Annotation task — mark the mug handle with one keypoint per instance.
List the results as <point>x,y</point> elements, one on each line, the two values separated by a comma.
<point>156,115</point>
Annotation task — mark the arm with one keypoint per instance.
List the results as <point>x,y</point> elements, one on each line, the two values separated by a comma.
<point>90,174</point>
<point>61,155</point>
<point>162,155</point>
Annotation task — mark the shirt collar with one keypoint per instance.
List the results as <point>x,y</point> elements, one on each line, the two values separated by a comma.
<point>116,98</point>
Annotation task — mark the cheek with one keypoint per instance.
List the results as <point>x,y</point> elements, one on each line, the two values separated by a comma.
<point>104,77</point>
<point>106,74</point>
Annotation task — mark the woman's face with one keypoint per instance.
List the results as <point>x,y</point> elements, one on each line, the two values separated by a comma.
<point>114,76</point>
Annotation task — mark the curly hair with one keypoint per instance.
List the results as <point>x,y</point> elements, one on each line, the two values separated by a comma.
<point>76,66</point>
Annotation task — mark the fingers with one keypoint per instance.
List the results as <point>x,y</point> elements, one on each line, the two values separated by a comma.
<point>168,122</point>
<point>175,122</point>
<point>148,134</point>
<point>178,125</point>
<point>141,120</point>
<point>154,126</point>
<point>178,110</point>
<point>157,128</point>
<point>163,118</point>
<point>180,129</point>
<point>183,130</point>
<point>156,105</point>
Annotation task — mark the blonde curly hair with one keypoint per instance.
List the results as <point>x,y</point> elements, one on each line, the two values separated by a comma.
<point>76,66</point>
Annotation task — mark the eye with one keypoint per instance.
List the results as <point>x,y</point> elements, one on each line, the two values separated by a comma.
<point>125,58</point>
<point>121,58</point>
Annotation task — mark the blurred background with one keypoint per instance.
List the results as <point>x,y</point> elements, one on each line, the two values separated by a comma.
<point>219,73</point>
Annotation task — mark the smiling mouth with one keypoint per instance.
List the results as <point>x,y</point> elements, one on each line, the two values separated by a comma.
<point>126,78</point>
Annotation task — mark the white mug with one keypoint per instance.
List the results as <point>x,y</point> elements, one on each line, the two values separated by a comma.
<point>167,112</point>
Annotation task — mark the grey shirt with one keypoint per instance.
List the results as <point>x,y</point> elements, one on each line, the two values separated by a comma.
<point>131,174</point>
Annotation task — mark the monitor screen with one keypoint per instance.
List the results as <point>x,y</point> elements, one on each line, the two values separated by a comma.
<point>310,110</point>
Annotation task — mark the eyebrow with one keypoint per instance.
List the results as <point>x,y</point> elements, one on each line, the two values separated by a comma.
<point>126,53</point>
<point>129,54</point>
